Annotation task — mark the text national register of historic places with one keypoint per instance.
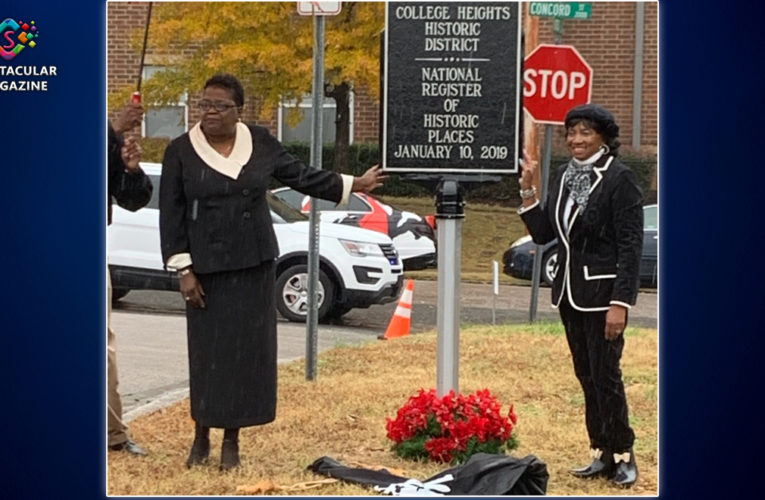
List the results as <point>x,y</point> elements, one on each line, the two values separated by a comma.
<point>451,88</point>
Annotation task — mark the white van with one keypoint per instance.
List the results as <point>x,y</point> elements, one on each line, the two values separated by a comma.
<point>358,267</point>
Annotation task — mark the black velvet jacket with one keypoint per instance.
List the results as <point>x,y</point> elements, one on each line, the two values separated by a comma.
<point>131,190</point>
<point>224,223</point>
<point>599,256</point>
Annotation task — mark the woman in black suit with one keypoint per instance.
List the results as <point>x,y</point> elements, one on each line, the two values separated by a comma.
<point>594,208</point>
<point>216,232</point>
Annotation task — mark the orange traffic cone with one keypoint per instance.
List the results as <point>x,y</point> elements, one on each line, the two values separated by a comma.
<point>402,317</point>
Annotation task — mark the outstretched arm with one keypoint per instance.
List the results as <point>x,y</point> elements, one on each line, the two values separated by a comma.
<point>533,214</point>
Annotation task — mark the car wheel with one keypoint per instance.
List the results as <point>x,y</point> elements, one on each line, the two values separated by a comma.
<point>118,293</point>
<point>550,266</point>
<point>292,293</point>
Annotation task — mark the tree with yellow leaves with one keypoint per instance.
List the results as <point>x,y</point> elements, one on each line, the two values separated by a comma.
<point>269,47</point>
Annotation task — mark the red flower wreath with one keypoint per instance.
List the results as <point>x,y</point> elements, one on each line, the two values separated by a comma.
<point>451,428</point>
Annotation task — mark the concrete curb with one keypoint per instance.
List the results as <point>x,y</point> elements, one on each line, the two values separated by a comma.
<point>162,401</point>
<point>141,355</point>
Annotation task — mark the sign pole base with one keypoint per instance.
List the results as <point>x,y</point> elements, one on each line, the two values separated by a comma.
<point>449,213</point>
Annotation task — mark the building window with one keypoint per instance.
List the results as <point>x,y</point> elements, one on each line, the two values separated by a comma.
<point>302,131</point>
<point>166,121</point>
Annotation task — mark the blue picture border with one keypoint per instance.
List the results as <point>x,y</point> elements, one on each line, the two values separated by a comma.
<point>711,304</point>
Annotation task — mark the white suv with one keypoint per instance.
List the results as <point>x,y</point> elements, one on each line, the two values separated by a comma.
<point>358,267</point>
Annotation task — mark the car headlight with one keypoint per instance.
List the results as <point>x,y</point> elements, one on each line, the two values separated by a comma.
<point>360,249</point>
<point>521,241</point>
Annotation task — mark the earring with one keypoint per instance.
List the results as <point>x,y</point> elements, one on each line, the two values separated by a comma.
<point>605,149</point>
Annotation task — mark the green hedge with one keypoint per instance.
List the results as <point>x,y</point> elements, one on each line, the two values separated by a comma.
<point>153,148</point>
<point>363,155</point>
<point>504,192</point>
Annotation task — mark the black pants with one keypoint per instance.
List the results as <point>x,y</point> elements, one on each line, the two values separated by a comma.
<point>596,364</point>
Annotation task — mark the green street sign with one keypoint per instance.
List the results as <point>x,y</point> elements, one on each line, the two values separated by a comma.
<point>561,10</point>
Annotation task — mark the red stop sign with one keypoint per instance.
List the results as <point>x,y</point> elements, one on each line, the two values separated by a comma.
<point>555,79</point>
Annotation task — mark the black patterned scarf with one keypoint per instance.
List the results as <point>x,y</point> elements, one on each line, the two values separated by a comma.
<point>578,180</point>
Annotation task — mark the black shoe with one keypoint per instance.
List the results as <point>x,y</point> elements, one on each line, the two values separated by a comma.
<point>200,451</point>
<point>129,447</point>
<point>229,455</point>
<point>602,465</point>
<point>625,472</point>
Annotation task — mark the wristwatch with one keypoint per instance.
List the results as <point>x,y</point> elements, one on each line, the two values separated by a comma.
<point>528,193</point>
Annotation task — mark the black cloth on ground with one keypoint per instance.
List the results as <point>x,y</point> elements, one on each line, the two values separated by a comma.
<point>482,474</point>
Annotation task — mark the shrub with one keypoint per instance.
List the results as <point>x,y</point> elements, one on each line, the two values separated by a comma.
<point>363,155</point>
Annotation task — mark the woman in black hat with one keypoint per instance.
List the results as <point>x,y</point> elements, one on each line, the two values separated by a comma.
<point>594,209</point>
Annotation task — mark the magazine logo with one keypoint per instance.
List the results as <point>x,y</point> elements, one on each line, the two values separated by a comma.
<point>15,36</point>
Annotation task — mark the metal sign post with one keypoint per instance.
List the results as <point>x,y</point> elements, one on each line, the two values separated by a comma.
<point>318,10</point>
<point>450,213</point>
<point>536,270</point>
<point>495,278</point>
<point>312,319</point>
<point>547,103</point>
<point>451,119</point>
<point>544,175</point>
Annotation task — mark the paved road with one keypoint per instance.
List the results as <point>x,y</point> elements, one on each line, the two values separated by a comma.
<point>151,349</point>
<point>152,355</point>
<point>512,306</point>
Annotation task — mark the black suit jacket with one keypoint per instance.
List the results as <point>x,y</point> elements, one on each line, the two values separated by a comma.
<point>599,255</point>
<point>225,224</point>
<point>131,190</point>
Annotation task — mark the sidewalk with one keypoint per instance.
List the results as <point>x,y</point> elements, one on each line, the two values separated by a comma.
<point>153,364</point>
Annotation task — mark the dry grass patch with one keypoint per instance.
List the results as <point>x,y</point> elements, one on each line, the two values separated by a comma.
<point>342,415</point>
<point>487,231</point>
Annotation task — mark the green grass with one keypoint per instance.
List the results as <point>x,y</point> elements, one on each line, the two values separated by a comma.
<point>538,328</point>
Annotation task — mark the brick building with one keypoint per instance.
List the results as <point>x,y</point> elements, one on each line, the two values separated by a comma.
<point>125,27</point>
<point>606,41</point>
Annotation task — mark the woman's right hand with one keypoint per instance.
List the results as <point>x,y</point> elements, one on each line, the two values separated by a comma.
<point>191,290</point>
<point>528,170</point>
<point>131,155</point>
<point>371,179</point>
<point>129,117</point>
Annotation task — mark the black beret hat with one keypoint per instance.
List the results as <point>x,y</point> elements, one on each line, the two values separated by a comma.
<point>602,118</point>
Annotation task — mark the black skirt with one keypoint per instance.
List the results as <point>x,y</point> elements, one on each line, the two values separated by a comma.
<point>232,349</point>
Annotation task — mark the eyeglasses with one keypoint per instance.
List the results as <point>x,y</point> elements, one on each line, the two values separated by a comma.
<point>220,107</point>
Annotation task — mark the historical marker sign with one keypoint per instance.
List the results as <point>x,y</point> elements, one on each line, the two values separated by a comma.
<point>452,83</point>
